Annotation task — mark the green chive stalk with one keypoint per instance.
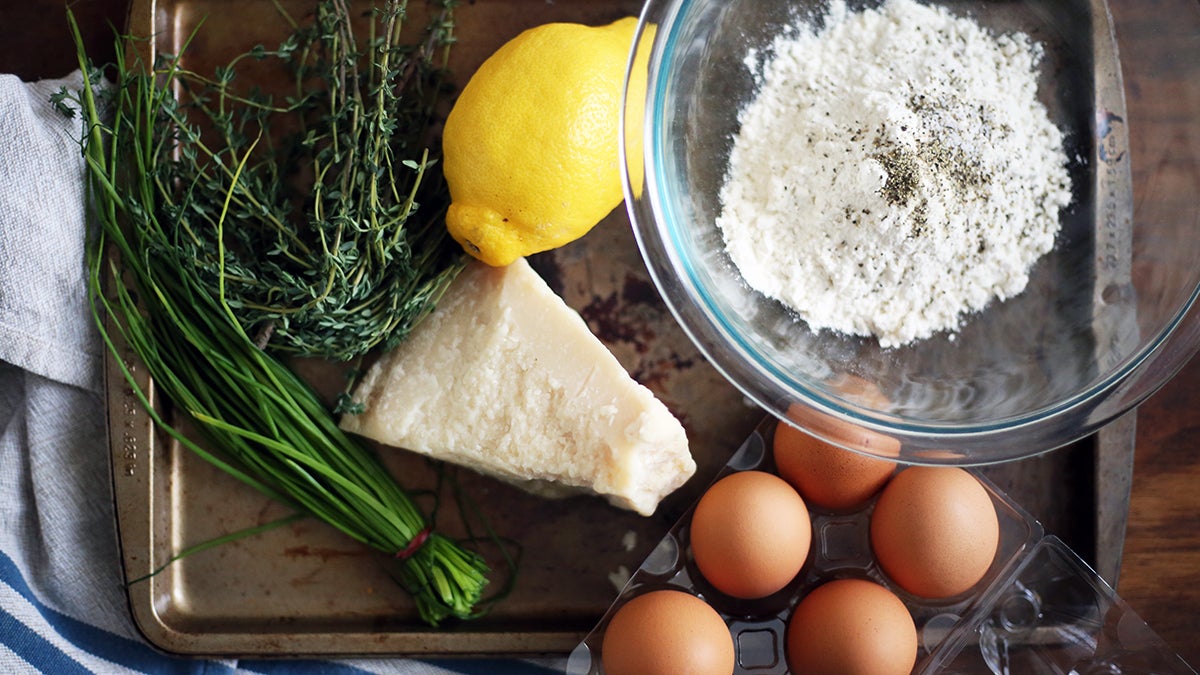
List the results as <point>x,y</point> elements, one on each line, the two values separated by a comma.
<point>259,421</point>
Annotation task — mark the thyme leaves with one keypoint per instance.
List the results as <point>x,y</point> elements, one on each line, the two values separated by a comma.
<point>336,238</point>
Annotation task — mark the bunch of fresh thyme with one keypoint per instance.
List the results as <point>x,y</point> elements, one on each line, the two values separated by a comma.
<point>163,267</point>
<point>336,242</point>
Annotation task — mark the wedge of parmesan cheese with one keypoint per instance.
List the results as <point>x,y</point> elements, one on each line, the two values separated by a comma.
<point>506,379</point>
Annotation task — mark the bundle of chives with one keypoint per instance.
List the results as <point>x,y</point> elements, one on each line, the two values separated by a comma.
<point>265,425</point>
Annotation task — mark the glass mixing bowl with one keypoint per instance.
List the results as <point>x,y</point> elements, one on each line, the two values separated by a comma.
<point>1108,316</point>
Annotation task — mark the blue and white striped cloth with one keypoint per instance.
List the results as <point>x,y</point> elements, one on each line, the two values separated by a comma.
<point>62,605</point>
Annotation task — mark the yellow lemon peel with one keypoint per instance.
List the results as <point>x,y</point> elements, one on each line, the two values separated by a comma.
<point>531,146</point>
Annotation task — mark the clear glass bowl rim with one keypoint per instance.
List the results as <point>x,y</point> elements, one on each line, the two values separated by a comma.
<point>1127,385</point>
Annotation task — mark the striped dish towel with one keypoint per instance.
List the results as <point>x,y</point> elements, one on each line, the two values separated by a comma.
<point>62,605</point>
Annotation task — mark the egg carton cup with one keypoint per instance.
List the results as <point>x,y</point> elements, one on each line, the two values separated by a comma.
<point>1039,608</point>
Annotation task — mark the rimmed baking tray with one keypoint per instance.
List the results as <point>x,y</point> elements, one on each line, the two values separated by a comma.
<point>303,589</point>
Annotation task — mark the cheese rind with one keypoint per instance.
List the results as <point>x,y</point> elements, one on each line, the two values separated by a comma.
<point>505,378</point>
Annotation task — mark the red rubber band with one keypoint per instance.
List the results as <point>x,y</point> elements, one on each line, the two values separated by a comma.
<point>414,544</point>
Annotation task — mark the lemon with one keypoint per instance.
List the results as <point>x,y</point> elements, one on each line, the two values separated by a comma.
<point>531,145</point>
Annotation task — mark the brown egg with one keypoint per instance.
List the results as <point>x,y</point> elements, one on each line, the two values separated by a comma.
<point>935,531</point>
<point>851,627</point>
<point>667,632</point>
<point>750,534</point>
<point>855,392</point>
<point>826,475</point>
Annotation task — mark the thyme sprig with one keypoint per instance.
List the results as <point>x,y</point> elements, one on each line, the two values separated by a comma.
<point>152,287</point>
<point>337,243</point>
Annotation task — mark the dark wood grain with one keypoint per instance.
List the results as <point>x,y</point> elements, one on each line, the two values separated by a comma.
<point>35,41</point>
<point>1160,576</point>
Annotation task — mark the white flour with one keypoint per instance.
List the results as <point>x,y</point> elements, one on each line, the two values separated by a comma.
<point>895,172</point>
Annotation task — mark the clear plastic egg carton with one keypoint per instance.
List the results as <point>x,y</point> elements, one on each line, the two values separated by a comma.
<point>1038,609</point>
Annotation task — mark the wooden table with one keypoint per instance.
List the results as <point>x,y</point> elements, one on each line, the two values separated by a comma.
<point>1160,576</point>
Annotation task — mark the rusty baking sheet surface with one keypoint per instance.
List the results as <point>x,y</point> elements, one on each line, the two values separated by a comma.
<point>304,589</point>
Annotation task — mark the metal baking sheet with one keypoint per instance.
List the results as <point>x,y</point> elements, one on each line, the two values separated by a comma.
<point>304,589</point>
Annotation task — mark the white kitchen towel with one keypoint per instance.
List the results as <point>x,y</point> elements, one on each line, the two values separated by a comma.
<point>62,605</point>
